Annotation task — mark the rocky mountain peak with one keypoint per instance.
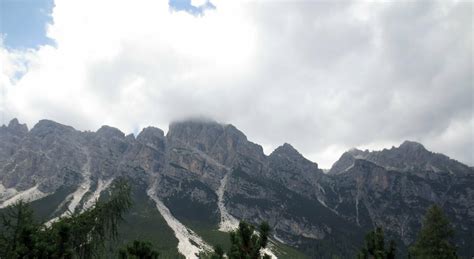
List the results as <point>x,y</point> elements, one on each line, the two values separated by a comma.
<point>412,145</point>
<point>344,162</point>
<point>286,156</point>
<point>409,156</point>
<point>193,130</point>
<point>288,151</point>
<point>202,170</point>
<point>47,127</point>
<point>152,136</point>
<point>223,142</point>
<point>151,132</point>
<point>15,127</point>
<point>203,134</point>
<point>110,132</point>
<point>357,152</point>
<point>286,148</point>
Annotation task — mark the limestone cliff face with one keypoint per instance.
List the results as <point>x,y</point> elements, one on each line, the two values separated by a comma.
<point>392,188</point>
<point>199,164</point>
<point>223,143</point>
<point>409,157</point>
<point>48,155</point>
<point>297,173</point>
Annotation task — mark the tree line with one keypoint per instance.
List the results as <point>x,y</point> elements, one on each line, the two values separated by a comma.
<point>78,235</point>
<point>434,240</point>
<point>85,234</point>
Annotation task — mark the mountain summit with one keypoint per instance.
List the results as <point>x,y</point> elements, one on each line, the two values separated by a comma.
<point>409,156</point>
<point>202,177</point>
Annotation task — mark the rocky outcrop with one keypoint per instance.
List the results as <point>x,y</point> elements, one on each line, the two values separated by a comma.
<point>207,172</point>
<point>393,187</point>
<point>410,156</point>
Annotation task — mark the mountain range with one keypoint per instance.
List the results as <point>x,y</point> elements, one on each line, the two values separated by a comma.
<point>196,183</point>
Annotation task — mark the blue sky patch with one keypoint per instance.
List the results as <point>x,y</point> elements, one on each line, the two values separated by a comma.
<point>185,5</point>
<point>23,22</point>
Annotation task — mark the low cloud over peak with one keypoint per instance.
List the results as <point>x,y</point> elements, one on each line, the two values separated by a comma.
<point>322,76</point>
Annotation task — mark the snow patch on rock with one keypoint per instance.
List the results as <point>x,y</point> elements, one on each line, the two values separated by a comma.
<point>269,252</point>
<point>29,195</point>
<point>77,195</point>
<point>101,186</point>
<point>75,198</point>
<point>6,193</point>
<point>189,243</point>
<point>228,222</point>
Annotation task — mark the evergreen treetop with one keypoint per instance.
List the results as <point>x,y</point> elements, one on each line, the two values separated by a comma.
<point>435,237</point>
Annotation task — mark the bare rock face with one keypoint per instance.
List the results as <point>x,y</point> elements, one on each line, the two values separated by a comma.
<point>392,188</point>
<point>10,137</point>
<point>408,157</point>
<point>16,128</point>
<point>48,155</point>
<point>346,161</point>
<point>223,143</point>
<point>295,172</point>
<point>200,164</point>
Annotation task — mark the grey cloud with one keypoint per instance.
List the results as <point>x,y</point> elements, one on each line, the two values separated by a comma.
<point>321,77</point>
<point>406,73</point>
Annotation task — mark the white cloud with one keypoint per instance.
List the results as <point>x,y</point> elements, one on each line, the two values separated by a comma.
<point>198,3</point>
<point>322,76</point>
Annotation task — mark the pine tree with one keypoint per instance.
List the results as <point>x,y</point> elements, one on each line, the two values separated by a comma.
<point>375,246</point>
<point>218,252</point>
<point>138,250</point>
<point>80,235</point>
<point>17,237</point>
<point>246,243</point>
<point>392,249</point>
<point>435,237</point>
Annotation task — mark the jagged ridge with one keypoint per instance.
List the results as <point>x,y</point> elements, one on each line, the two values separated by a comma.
<point>202,169</point>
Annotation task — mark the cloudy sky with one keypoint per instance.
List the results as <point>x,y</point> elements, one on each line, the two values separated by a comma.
<point>324,76</point>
